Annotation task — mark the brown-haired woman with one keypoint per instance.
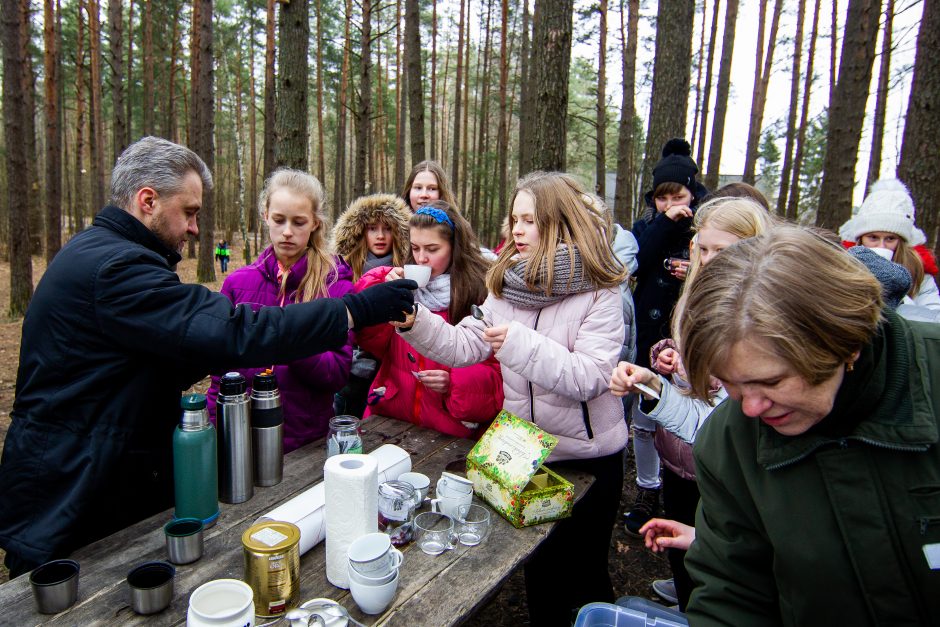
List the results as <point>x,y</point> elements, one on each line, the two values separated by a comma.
<point>426,183</point>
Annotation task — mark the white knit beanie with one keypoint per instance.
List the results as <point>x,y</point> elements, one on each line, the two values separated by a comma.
<point>889,208</point>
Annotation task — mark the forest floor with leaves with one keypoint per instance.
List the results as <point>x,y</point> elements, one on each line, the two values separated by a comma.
<point>632,567</point>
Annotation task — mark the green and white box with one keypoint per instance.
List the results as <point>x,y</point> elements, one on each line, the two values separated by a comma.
<point>506,469</point>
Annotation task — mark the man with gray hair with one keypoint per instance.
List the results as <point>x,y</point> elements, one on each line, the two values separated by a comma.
<point>110,341</point>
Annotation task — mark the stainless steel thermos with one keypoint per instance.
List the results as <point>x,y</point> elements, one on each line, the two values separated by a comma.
<point>234,425</point>
<point>267,429</point>
<point>194,463</point>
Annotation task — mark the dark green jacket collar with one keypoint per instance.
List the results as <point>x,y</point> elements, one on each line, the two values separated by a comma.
<point>897,414</point>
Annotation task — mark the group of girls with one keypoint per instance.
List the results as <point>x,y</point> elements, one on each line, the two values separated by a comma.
<point>551,335</point>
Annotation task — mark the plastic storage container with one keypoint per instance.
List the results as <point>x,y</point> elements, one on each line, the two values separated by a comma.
<point>610,615</point>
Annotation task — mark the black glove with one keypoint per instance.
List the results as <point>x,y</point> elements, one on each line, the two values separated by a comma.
<point>381,303</point>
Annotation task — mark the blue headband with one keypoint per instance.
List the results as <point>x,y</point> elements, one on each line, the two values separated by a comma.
<point>439,216</point>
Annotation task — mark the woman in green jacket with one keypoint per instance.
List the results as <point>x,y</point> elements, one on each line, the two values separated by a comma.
<point>820,476</point>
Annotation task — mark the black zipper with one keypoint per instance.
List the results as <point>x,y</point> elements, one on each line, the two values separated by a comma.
<point>531,392</point>
<point>586,416</point>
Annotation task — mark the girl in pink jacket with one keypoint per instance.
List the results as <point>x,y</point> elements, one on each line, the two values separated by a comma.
<point>409,386</point>
<point>554,321</point>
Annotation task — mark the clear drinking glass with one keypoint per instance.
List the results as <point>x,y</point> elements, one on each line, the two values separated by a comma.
<point>434,533</point>
<point>473,524</point>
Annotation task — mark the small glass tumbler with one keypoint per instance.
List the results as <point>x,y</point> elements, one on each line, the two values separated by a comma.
<point>343,436</point>
<point>473,524</point>
<point>434,533</point>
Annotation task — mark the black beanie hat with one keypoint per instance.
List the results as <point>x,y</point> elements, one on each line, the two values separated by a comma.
<point>676,166</point>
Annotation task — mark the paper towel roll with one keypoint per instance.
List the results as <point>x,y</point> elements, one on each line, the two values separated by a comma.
<point>352,509</point>
<point>306,509</point>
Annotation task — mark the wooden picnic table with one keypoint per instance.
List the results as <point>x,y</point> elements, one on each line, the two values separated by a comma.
<point>434,590</point>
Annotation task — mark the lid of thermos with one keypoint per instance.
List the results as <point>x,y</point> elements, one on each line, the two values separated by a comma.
<point>195,416</point>
<point>264,381</point>
<point>232,384</point>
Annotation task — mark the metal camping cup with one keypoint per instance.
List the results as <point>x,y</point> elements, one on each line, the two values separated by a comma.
<point>55,586</point>
<point>151,587</point>
<point>184,540</point>
<point>397,504</point>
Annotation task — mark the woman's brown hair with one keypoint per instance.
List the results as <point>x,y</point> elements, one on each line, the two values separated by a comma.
<point>443,183</point>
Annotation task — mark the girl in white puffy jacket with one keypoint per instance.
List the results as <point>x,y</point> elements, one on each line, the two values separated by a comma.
<point>554,320</point>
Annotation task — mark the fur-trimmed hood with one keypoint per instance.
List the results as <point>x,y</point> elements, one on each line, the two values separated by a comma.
<point>351,226</point>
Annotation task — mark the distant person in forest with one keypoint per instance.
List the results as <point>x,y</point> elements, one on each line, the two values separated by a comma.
<point>297,267</point>
<point>427,182</point>
<point>222,253</point>
<point>110,341</point>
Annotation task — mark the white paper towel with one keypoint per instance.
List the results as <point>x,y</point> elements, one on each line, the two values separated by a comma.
<point>306,509</point>
<point>352,509</point>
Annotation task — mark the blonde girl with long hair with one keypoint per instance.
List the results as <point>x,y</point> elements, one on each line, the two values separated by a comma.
<point>297,267</point>
<point>554,321</point>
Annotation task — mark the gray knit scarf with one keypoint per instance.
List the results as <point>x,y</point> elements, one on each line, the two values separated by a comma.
<point>436,294</point>
<point>375,262</point>
<point>519,294</point>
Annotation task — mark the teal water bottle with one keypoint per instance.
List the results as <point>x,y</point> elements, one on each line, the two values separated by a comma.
<point>195,467</point>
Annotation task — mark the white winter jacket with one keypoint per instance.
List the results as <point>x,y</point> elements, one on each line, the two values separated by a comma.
<point>556,364</point>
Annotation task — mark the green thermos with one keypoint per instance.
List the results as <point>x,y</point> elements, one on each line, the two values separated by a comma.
<point>195,467</point>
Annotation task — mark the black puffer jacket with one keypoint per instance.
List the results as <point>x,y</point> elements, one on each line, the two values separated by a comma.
<point>110,340</point>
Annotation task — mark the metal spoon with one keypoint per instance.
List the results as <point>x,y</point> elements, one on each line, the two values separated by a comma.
<point>477,313</point>
<point>646,390</point>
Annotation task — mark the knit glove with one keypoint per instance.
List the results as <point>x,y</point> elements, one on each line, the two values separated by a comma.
<point>381,303</point>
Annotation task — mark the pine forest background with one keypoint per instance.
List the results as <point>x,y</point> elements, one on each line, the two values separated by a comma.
<point>357,91</point>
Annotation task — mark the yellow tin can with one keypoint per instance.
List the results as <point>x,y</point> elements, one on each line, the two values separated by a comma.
<point>272,566</point>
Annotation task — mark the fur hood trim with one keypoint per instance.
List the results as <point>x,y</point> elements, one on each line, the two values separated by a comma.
<point>351,226</point>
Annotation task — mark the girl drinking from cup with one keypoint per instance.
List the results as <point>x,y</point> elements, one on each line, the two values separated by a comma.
<point>371,233</point>
<point>885,223</point>
<point>553,319</point>
<point>426,183</point>
<point>297,267</point>
<point>455,401</point>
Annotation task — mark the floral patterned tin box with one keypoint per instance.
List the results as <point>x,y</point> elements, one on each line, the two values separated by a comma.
<point>506,469</point>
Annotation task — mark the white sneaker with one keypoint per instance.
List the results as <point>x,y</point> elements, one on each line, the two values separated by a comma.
<point>666,590</point>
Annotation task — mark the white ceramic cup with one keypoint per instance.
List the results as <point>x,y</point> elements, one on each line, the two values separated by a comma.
<point>369,580</point>
<point>453,485</point>
<point>373,555</point>
<point>421,483</point>
<point>450,504</point>
<point>373,599</point>
<point>419,274</point>
<point>887,253</point>
<point>222,603</point>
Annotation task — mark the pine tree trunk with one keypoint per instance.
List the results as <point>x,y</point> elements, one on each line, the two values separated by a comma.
<point>321,113</point>
<point>760,97</point>
<point>53,174</point>
<point>129,101</point>
<point>791,115</point>
<point>81,180</point>
<point>270,93</point>
<point>833,56</point>
<point>116,50</point>
<point>525,93</point>
<point>14,36</point>
<point>148,85</point>
<point>721,96</point>
<point>881,100</point>
<point>34,202</point>
<point>95,105</point>
<point>551,66</point>
<point>364,106</point>
<point>466,115</point>
<point>252,140</point>
<point>920,159</point>
<point>401,103</point>
<point>600,158</point>
<point>339,193</point>
<point>170,125</point>
<point>455,160</point>
<point>793,203</point>
<point>415,80</point>
<point>433,152</point>
<point>671,77</point>
<point>626,137</point>
<point>502,133</point>
<point>706,96</point>
<point>482,121</point>
<point>698,75</point>
<point>848,113</point>
<point>290,118</point>
<point>202,116</point>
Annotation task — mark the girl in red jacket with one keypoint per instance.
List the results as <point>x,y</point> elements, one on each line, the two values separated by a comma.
<point>455,401</point>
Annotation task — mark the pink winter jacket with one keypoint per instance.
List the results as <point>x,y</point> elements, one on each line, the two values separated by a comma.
<point>556,363</point>
<point>465,411</point>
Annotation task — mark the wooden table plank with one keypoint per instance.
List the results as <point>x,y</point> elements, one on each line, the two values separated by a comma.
<point>434,590</point>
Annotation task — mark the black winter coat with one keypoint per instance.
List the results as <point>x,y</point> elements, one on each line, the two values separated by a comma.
<point>110,341</point>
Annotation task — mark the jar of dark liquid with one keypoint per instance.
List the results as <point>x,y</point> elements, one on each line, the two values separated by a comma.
<point>397,504</point>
